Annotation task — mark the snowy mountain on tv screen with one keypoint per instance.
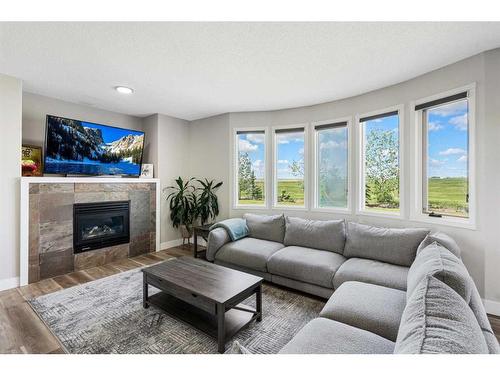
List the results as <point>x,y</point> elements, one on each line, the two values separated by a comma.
<point>77,147</point>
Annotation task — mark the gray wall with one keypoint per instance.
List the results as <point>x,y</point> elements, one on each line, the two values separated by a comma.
<point>481,250</point>
<point>10,155</point>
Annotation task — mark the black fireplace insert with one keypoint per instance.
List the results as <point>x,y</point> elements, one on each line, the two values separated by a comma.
<point>98,225</point>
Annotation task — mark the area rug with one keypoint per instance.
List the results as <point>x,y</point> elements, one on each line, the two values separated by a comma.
<point>106,316</point>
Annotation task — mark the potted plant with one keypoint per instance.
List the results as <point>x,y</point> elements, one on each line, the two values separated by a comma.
<point>182,204</point>
<point>207,205</point>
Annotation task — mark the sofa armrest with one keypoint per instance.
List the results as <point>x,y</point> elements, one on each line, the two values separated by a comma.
<point>216,239</point>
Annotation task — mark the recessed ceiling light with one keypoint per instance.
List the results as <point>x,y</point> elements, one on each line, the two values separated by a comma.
<point>124,90</point>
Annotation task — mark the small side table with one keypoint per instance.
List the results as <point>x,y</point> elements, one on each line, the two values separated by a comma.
<point>202,231</point>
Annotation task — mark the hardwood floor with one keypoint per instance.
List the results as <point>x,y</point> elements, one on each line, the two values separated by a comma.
<point>22,331</point>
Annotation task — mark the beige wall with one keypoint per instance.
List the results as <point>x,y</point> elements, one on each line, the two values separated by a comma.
<point>481,250</point>
<point>10,155</point>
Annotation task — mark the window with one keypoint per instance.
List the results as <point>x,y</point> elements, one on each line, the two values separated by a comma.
<point>332,164</point>
<point>445,156</point>
<point>380,166</point>
<point>251,168</point>
<point>289,167</point>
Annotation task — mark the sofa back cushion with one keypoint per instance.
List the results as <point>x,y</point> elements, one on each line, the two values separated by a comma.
<point>441,238</point>
<point>266,227</point>
<point>439,262</point>
<point>396,246</point>
<point>323,235</point>
<point>437,320</point>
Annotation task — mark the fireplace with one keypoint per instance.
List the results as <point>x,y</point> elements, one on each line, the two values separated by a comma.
<point>102,224</point>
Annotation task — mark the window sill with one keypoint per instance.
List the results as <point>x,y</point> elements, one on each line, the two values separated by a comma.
<point>445,221</point>
<point>387,215</point>
<point>249,207</point>
<point>344,211</point>
<point>289,208</point>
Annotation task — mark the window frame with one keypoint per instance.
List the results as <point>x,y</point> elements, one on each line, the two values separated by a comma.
<point>234,172</point>
<point>315,168</point>
<point>360,182</point>
<point>274,167</point>
<point>417,116</point>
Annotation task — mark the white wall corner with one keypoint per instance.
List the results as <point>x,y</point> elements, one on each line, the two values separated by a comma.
<point>5,284</point>
<point>492,307</point>
<point>170,244</point>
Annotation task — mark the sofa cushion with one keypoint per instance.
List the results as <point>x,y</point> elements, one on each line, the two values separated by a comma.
<point>477,307</point>
<point>323,235</point>
<point>266,227</point>
<point>370,307</point>
<point>442,239</point>
<point>325,336</point>
<point>396,246</point>
<point>304,264</point>
<point>372,272</point>
<point>248,252</point>
<point>437,320</point>
<point>438,261</point>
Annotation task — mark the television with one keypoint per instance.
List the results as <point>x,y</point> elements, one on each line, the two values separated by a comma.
<point>84,148</point>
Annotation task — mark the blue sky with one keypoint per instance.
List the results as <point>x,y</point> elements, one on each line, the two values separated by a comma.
<point>110,134</point>
<point>447,140</point>
<point>253,145</point>
<point>290,148</point>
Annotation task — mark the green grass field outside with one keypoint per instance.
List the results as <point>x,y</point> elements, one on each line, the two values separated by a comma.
<point>446,196</point>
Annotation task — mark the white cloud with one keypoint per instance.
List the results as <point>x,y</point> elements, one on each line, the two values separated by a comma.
<point>301,151</point>
<point>435,162</point>
<point>453,151</point>
<point>285,138</point>
<point>283,161</point>
<point>462,159</point>
<point>332,145</point>
<point>450,109</point>
<point>460,122</point>
<point>258,167</point>
<point>255,138</point>
<point>434,126</point>
<point>246,146</point>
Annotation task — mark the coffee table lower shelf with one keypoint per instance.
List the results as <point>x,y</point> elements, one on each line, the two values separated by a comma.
<point>235,319</point>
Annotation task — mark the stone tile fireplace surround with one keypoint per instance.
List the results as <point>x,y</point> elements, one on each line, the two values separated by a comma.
<point>47,222</point>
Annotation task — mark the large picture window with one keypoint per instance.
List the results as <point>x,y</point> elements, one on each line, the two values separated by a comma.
<point>380,167</point>
<point>289,167</point>
<point>445,156</point>
<point>332,165</point>
<point>251,168</point>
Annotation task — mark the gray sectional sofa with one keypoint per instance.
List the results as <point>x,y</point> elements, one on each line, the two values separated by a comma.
<point>388,290</point>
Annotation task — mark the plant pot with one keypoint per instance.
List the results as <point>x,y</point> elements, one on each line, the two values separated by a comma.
<point>186,231</point>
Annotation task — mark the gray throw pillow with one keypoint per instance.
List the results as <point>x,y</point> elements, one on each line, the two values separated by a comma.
<point>437,320</point>
<point>441,238</point>
<point>439,262</point>
<point>266,227</point>
<point>323,235</point>
<point>391,245</point>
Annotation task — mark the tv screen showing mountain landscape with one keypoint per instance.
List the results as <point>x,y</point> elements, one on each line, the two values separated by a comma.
<point>79,147</point>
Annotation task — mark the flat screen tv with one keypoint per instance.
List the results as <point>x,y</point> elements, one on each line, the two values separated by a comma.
<point>79,147</point>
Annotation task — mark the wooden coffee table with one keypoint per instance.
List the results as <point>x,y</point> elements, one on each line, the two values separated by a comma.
<point>204,295</point>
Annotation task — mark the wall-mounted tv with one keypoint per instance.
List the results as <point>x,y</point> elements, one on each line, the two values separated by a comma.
<point>79,147</point>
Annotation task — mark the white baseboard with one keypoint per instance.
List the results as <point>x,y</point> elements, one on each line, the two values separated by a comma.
<point>5,284</point>
<point>169,244</point>
<point>492,307</point>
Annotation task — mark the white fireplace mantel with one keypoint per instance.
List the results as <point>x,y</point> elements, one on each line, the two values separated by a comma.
<point>24,209</point>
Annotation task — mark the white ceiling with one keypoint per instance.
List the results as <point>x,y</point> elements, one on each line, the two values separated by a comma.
<point>195,70</point>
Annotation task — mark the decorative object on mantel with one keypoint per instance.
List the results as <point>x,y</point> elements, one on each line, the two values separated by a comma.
<point>147,171</point>
<point>187,203</point>
<point>31,161</point>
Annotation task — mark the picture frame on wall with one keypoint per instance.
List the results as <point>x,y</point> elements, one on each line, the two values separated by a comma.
<point>31,161</point>
<point>147,171</point>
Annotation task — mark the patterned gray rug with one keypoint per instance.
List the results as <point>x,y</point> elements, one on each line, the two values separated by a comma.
<point>106,316</point>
